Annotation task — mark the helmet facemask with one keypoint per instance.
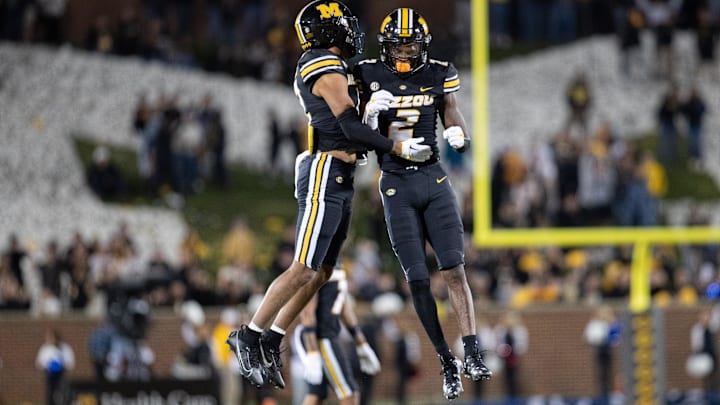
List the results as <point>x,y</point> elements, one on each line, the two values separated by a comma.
<point>349,38</point>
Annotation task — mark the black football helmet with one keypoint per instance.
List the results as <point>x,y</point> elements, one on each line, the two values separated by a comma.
<point>327,23</point>
<point>404,26</point>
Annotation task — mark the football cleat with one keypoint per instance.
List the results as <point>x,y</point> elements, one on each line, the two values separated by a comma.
<point>272,364</point>
<point>248,357</point>
<point>452,386</point>
<point>475,367</point>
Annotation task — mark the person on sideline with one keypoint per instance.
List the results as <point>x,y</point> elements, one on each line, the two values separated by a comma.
<point>325,363</point>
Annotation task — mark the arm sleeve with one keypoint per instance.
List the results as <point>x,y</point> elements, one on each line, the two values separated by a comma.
<point>356,131</point>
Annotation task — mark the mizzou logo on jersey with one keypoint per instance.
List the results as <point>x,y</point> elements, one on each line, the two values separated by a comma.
<point>417,100</point>
<point>329,10</point>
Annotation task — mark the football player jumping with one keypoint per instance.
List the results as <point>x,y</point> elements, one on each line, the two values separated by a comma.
<point>418,200</point>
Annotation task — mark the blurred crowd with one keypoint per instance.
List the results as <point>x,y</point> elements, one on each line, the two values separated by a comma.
<point>242,38</point>
<point>180,146</point>
<point>254,38</point>
<point>588,174</point>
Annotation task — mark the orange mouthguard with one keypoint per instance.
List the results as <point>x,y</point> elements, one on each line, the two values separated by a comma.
<point>402,67</point>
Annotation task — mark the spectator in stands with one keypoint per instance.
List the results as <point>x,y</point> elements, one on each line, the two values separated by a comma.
<point>56,358</point>
<point>509,170</point>
<point>655,177</point>
<point>566,152</point>
<point>693,109</point>
<point>667,126</point>
<point>187,145</point>
<point>629,22</point>
<point>16,255</point>
<point>276,138</point>
<point>100,37</point>
<point>635,204</point>
<point>54,277</point>
<point>596,182</point>
<point>103,176</point>
<point>12,295</point>
<point>145,122</point>
<point>169,122</point>
<point>211,119</point>
<point>578,96</point>
<point>49,21</point>
<point>661,17</point>
<point>239,244</point>
<point>235,282</point>
<point>129,32</point>
<point>707,37</point>
<point>82,289</point>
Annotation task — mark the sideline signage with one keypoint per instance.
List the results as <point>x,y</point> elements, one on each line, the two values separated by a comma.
<point>153,392</point>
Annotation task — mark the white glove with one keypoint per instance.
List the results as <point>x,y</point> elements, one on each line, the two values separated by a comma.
<point>413,150</point>
<point>379,101</point>
<point>369,363</point>
<point>313,368</point>
<point>455,137</point>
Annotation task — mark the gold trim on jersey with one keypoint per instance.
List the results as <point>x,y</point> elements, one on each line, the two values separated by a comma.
<point>318,65</point>
<point>451,85</point>
<point>317,182</point>
<point>310,138</point>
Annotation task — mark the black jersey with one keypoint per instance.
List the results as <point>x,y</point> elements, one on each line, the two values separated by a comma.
<point>418,98</point>
<point>324,133</point>
<point>331,299</point>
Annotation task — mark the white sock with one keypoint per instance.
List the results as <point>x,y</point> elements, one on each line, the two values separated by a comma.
<point>254,327</point>
<point>277,329</point>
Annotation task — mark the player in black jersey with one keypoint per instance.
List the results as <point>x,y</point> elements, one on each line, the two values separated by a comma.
<point>418,200</point>
<point>326,365</point>
<point>329,34</point>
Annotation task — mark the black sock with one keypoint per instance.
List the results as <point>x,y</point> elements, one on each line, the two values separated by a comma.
<point>250,336</point>
<point>271,338</point>
<point>470,343</point>
<point>427,312</point>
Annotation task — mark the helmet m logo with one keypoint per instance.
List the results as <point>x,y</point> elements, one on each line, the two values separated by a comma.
<point>329,10</point>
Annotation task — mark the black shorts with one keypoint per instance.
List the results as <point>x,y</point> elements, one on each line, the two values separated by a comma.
<point>420,205</point>
<point>324,189</point>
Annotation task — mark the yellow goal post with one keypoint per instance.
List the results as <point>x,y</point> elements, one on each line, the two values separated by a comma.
<point>484,236</point>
